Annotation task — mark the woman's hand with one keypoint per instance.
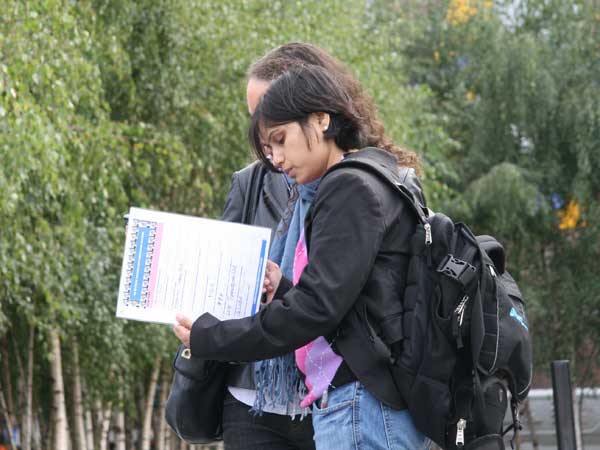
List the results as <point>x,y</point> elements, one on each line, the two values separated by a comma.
<point>183,324</point>
<point>182,329</point>
<point>272,279</point>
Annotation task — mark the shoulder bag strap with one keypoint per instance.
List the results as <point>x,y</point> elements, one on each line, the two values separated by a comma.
<point>252,193</point>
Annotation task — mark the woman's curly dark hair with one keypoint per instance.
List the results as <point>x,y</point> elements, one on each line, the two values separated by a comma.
<point>300,92</point>
<point>295,54</point>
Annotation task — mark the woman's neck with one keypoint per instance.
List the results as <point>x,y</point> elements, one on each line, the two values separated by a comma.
<point>335,156</point>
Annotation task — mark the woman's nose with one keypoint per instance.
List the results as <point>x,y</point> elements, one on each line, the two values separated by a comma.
<point>277,159</point>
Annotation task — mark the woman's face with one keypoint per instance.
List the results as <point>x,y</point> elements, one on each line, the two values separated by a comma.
<point>304,157</point>
<point>288,145</point>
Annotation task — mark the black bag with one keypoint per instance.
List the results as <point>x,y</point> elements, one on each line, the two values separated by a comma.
<point>194,408</point>
<point>464,339</point>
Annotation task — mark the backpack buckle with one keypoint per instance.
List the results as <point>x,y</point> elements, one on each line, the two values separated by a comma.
<point>457,269</point>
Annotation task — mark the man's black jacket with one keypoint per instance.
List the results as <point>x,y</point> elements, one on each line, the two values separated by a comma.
<point>358,234</point>
<point>257,196</point>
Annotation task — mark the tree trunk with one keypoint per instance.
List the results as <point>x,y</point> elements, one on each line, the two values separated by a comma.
<point>36,435</point>
<point>98,419</point>
<point>27,417</point>
<point>174,441</point>
<point>104,427</point>
<point>168,438</point>
<point>577,419</point>
<point>130,430</point>
<point>161,423</point>
<point>89,430</point>
<point>80,440</point>
<point>147,424</point>
<point>7,419</point>
<point>18,412</point>
<point>120,422</point>
<point>60,426</point>
<point>535,442</point>
<point>6,380</point>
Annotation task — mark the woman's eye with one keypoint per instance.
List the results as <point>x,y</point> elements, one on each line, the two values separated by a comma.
<point>279,139</point>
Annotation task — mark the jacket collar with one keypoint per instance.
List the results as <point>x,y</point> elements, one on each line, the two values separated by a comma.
<point>382,157</point>
<point>389,164</point>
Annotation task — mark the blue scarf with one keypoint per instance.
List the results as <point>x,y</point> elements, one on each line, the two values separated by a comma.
<point>279,379</point>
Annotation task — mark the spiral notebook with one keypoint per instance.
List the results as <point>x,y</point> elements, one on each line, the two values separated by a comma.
<point>174,263</point>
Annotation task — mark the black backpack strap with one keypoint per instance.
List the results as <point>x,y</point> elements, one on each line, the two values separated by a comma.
<point>494,250</point>
<point>394,180</point>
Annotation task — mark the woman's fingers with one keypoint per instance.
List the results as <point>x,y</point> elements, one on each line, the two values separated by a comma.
<point>272,279</point>
<point>271,266</point>
<point>183,334</point>
<point>184,321</point>
<point>182,328</point>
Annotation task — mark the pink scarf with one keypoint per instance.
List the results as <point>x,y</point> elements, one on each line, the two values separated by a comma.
<point>316,360</point>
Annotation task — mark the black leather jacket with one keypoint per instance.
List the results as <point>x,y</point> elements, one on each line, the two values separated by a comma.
<point>358,235</point>
<point>257,196</point>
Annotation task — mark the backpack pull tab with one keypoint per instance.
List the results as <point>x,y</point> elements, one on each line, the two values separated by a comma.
<point>460,433</point>
<point>428,237</point>
<point>428,242</point>
<point>458,321</point>
<point>514,409</point>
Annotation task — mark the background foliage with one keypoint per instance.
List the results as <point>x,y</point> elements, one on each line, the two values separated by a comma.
<point>106,104</point>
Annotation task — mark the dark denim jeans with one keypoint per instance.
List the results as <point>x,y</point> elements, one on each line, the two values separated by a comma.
<point>242,430</point>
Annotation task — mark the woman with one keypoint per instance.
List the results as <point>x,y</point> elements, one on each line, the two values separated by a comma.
<point>349,269</point>
<point>273,428</point>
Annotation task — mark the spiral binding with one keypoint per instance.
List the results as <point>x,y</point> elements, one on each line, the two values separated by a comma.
<point>135,226</point>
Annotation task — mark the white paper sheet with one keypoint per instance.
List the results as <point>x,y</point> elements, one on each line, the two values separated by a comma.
<point>174,263</point>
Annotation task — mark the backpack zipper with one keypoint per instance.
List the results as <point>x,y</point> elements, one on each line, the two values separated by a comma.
<point>460,310</point>
<point>460,432</point>
<point>428,242</point>
<point>428,237</point>
<point>459,314</point>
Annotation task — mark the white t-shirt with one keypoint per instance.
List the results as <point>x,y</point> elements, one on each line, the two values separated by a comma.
<point>248,396</point>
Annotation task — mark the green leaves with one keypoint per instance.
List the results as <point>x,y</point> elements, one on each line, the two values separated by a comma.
<point>519,89</point>
<point>110,104</point>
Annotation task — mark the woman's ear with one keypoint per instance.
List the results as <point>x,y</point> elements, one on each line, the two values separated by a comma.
<point>321,120</point>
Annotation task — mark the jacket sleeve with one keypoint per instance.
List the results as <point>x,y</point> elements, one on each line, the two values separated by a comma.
<point>347,230</point>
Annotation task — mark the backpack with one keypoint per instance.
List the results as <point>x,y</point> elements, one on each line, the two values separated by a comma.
<point>465,342</point>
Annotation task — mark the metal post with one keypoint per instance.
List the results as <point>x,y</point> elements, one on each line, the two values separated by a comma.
<point>563,405</point>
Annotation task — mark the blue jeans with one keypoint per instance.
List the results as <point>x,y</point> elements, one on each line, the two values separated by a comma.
<point>353,419</point>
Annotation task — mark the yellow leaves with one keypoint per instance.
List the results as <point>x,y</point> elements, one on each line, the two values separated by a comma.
<point>470,96</point>
<point>569,216</point>
<point>460,11</point>
<point>436,56</point>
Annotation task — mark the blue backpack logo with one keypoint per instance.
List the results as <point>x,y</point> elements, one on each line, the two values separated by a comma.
<point>520,319</point>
